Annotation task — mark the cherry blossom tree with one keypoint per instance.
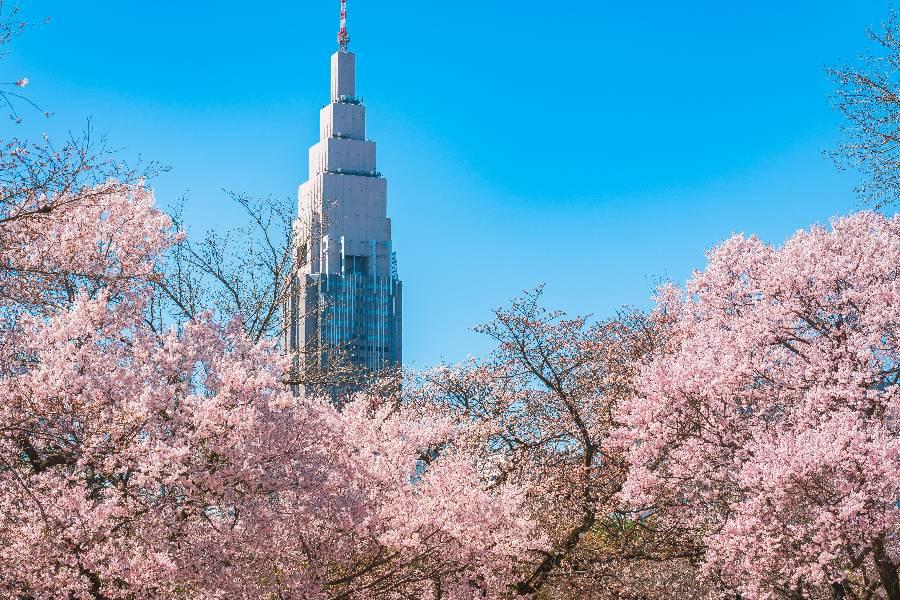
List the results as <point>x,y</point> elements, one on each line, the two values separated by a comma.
<point>143,464</point>
<point>768,420</point>
<point>103,239</point>
<point>541,412</point>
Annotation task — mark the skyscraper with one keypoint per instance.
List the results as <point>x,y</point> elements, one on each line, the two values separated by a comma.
<point>346,297</point>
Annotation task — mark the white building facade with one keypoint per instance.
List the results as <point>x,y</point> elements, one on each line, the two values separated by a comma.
<point>346,296</point>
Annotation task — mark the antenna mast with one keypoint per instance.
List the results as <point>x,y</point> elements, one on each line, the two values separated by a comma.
<point>343,37</point>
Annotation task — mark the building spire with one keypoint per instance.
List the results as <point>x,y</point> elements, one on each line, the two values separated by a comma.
<point>343,37</point>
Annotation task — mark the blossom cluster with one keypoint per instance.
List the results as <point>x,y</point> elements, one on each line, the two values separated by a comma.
<point>138,464</point>
<point>768,422</point>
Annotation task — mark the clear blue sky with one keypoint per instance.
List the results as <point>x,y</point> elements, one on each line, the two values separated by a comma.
<point>596,147</point>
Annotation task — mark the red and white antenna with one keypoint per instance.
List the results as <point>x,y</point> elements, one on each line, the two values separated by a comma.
<point>343,37</point>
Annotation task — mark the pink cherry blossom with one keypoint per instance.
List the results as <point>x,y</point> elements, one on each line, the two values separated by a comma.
<point>135,464</point>
<point>768,423</point>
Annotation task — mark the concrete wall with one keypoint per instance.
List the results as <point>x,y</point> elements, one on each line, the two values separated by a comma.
<point>334,154</point>
<point>342,120</point>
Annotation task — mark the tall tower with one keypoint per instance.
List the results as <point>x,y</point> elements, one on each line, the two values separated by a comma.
<point>346,298</point>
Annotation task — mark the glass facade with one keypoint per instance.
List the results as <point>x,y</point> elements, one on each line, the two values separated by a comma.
<point>358,315</point>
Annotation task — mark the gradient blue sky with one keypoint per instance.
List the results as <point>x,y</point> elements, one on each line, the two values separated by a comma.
<point>596,147</point>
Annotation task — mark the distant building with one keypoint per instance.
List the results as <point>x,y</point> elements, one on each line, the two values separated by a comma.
<point>346,299</point>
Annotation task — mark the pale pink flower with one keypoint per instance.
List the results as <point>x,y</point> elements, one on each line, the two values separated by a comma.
<point>164,464</point>
<point>768,422</point>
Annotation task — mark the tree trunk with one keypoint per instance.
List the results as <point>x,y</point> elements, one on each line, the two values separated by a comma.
<point>838,592</point>
<point>887,571</point>
<point>438,593</point>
